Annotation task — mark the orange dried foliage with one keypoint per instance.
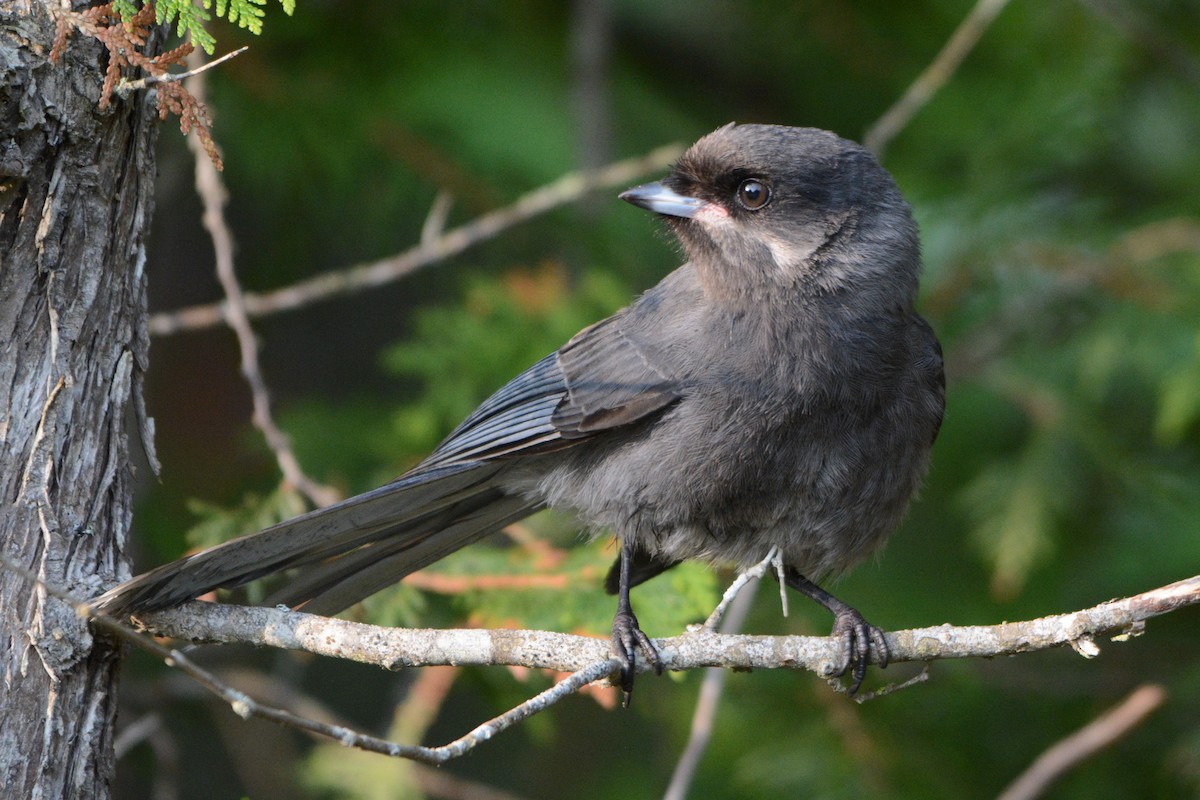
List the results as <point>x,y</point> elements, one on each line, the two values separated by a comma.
<point>124,42</point>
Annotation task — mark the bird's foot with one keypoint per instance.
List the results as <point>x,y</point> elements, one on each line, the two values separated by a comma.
<point>856,637</point>
<point>627,639</point>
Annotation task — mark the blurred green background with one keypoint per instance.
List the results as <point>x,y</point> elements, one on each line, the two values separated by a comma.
<point>1054,178</point>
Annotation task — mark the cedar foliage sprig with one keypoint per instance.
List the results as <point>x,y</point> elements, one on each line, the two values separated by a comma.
<point>189,16</point>
<point>122,27</point>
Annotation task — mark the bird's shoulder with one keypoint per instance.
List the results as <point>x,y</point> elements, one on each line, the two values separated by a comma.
<point>625,367</point>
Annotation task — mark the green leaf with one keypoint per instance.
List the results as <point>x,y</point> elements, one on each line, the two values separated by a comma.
<point>246,14</point>
<point>189,21</point>
<point>125,8</point>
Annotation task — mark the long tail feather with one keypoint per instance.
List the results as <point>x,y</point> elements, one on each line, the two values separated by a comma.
<point>414,520</point>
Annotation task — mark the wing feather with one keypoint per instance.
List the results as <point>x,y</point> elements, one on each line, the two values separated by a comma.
<point>610,381</point>
<point>600,380</point>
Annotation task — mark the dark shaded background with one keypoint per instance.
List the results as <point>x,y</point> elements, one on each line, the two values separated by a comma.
<point>1054,179</point>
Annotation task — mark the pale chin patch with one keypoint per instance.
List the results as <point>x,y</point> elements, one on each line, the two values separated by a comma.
<point>790,256</point>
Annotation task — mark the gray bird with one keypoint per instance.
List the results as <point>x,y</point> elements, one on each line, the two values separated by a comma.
<point>777,390</point>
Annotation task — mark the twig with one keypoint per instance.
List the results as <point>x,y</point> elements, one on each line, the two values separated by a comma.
<point>393,648</point>
<point>776,559</point>
<point>539,702</point>
<point>213,195</point>
<point>564,190</point>
<point>125,87</point>
<point>713,685</point>
<point>882,691</point>
<point>1084,743</point>
<point>246,707</point>
<point>435,220</point>
<point>960,43</point>
<point>740,582</point>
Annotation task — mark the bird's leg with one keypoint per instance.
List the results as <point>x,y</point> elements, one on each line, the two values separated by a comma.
<point>855,634</point>
<point>627,637</point>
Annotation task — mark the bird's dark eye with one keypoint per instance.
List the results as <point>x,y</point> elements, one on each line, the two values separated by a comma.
<point>753,194</point>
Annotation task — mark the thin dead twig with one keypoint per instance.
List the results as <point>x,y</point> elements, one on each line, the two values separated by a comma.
<point>246,707</point>
<point>1085,742</point>
<point>713,685</point>
<point>213,195</point>
<point>934,77</point>
<point>744,578</point>
<point>126,87</point>
<point>564,190</point>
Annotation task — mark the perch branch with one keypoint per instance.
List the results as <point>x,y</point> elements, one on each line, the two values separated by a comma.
<point>588,659</point>
<point>393,648</point>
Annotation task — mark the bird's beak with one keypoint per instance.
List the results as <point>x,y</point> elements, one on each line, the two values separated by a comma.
<point>661,200</point>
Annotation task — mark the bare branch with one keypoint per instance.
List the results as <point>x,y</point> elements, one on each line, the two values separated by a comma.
<point>213,195</point>
<point>927,84</point>
<point>1084,743</point>
<point>564,190</point>
<point>713,685</point>
<point>590,658</point>
<point>393,648</point>
<point>746,576</point>
<point>435,220</point>
<point>883,691</point>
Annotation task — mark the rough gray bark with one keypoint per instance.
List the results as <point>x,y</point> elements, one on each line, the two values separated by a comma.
<point>75,206</point>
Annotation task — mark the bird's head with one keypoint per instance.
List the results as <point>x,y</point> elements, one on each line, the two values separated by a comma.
<point>768,208</point>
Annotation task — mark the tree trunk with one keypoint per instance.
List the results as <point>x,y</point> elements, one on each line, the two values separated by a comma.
<point>75,207</point>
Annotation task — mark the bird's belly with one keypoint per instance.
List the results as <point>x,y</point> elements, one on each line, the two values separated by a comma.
<point>825,489</point>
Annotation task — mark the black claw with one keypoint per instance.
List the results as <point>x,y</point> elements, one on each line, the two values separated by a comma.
<point>627,640</point>
<point>882,653</point>
<point>856,637</point>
